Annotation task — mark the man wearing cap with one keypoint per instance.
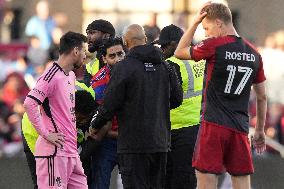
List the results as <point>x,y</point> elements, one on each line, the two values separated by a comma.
<point>96,31</point>
<point>185,118</point>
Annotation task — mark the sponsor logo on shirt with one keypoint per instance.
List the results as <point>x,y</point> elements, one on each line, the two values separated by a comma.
<point>39,92</point>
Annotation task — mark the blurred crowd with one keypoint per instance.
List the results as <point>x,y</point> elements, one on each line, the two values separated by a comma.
<point>21,64</point>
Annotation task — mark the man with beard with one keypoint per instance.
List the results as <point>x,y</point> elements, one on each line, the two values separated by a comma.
<point>97,31</point>
<point>50,106</point>
<point>105,158</point>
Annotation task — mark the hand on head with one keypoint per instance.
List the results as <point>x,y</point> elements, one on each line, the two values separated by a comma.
<point>201,13</point>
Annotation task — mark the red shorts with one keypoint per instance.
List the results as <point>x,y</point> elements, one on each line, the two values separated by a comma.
<point>219,149</point>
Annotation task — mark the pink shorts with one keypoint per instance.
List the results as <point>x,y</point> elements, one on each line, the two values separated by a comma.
<point>60,172</point>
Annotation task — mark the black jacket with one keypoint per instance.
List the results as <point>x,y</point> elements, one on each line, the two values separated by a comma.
<point>141,91</point>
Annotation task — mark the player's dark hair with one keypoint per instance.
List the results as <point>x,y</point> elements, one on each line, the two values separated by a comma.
<point>110,42</point>
<point>218,11</point>
<point>85,104</point>
<point>69,41</point>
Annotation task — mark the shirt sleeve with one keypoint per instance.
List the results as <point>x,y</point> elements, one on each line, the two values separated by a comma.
<point>203,50</point>
<point>260,76</point>
<point>43,88</point>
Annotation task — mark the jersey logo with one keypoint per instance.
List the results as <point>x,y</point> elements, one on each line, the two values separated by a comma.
<point>149,67</point>
<point>58,181</point>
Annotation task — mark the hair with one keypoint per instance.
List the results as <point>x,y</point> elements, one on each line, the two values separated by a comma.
<point>69,41</point>
<point>110,42</point>
<point>218,11</point>
<point>85,104</point>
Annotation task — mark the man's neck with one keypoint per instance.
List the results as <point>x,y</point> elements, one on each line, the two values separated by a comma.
<point>64,63</point>
<point>230,30</point>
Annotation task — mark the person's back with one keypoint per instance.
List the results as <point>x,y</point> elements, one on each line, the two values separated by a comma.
<point>142,89</point>
<point>144,119</point>
<point>233,66</point>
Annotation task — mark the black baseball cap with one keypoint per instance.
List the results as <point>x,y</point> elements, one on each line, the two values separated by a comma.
<point>103,26</point>
<point>168,34</point>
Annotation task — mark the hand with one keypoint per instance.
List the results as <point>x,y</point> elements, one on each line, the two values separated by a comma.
<point>258,141</point>
<point>56,138</point>
<point>201,14</point>
<point>92,131</point>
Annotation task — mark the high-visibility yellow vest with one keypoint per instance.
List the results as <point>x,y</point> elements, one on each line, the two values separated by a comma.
<point>29,132</point>
<point>28,129</point>
<point>82,86</point>
<point>188,113</point>
<point>93,66</point>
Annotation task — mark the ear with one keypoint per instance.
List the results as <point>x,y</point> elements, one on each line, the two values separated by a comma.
<point>106,36</point>
<point>104,59</point>
<point>76,51</point>
<point>219,22</point>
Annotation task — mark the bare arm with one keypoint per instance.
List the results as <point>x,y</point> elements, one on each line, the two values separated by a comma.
<point>261,107</point>
<point>182,50</point>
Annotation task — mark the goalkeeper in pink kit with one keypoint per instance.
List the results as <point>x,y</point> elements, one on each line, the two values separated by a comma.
<point>50,106</point>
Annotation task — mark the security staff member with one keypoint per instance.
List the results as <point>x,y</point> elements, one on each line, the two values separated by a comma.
<point>184,119</point>
<point>141,91</point>
<point>96,31</point>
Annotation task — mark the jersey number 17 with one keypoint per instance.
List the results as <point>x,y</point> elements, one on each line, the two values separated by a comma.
<point>232,72</point>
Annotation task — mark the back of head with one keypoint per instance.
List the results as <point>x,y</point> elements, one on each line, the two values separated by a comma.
<point>171,33</point>
<point>218,11</point>
<point>103,26</point>
<point>169,39</point>
<point>69,41</point>
<point>134,35</point>
<point>84,103</point>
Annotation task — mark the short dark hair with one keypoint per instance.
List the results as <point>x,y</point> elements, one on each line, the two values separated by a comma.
<point>218,11</point>
<point>69,41</point>
<point>110,42</point>
<point>85,104</point>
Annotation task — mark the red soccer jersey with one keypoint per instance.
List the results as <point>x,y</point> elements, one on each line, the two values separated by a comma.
<point>232,66</point>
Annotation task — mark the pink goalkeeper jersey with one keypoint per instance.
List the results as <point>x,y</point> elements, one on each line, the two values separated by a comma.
<point>55,92</point>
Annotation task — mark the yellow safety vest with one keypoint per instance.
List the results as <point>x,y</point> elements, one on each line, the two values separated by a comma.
<point>28,129</point>
<point>188,114</point>
<point>82,86</point>
<point>93,66</point>
<point>29,132</point>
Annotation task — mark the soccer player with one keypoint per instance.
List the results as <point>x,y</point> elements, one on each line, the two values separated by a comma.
<point>233,65</point>
<point>57,161</point>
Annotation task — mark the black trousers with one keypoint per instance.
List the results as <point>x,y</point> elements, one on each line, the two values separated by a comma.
<point>143,170</point>
<point>180,173</point>
<point>31,162</point>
